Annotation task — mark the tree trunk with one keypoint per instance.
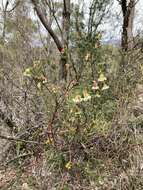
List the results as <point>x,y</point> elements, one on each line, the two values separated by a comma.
<point>4,19</point>
<point>128,11</point>
<point>62,47</point>
<point>130,27</point>
<point>66,29</point>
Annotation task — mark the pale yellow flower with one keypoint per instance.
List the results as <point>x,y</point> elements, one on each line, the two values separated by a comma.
<point>95,87</point>
<point>27,72</point>
<point>97,95</point>
<point>102,78</point>
<point>68,165</point>
<point>49,141</point>
<point>77,99</point>
<point>105,87</point>
<point>87,56</point>
<point>86,96</point>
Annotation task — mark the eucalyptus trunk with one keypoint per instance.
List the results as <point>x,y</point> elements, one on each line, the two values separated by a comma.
<point>128,11</point>
<point>65,38</point>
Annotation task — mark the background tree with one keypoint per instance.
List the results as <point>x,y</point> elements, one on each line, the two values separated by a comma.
<point>62,46</point>
<point>128,11</point>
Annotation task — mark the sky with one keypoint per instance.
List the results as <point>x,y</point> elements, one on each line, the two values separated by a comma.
<point>112,27</point>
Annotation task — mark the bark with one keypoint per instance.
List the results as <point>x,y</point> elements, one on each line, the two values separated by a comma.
<point>128,11</point>
<point>66,29</point>
<point>66,22</point>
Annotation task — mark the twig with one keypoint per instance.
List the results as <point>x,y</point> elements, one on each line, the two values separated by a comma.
<point>18,157</point>
<point>18,139</point>
<point>14,7</point>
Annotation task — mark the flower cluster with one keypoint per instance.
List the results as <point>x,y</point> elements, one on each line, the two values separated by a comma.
<point>68,165</point>
<point>102,80</point>
<point>85,97</point>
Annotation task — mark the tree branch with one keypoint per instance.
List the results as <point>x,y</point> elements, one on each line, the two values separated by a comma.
<point>53,14</point>
<point>14,7</point>
<point>45,24</point>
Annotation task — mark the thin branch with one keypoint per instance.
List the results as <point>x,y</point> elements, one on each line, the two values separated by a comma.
<point>52,10</point>
<point>17,157</point>
<point>9,138</point>
<point>14,7</point>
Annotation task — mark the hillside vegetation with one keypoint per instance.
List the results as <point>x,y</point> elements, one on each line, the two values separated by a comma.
<point>71,107</point>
